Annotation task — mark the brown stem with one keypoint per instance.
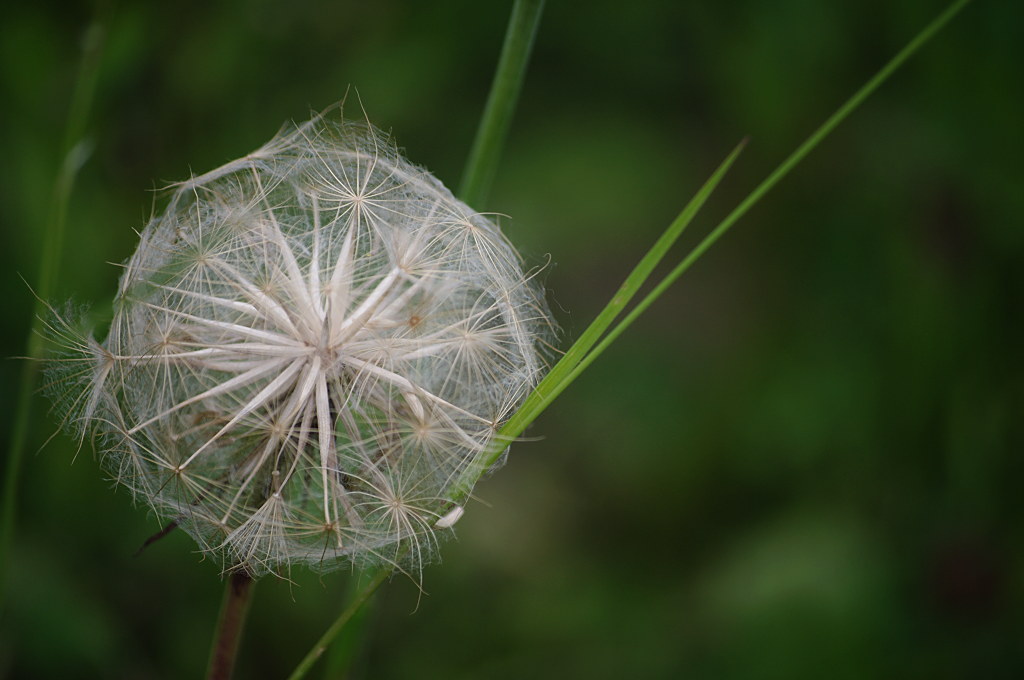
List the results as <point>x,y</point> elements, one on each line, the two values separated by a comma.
<point>233,610</point>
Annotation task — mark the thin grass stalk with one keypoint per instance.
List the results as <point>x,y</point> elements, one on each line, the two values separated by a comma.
<point>555,381</point>
<point>74,152</point>
<point>345,649</point>
<point>482,164</point>
<point>332,632</point>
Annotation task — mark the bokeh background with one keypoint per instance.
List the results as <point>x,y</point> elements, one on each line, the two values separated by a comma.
<point>804,462</point>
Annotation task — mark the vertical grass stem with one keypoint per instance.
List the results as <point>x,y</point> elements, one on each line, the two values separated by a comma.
<point>74,151</point>
<point>482,164</point>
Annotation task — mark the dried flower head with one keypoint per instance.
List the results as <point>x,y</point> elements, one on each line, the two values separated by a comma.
<point>309,346</point>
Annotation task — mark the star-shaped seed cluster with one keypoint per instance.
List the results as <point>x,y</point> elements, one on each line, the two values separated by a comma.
<point>309,347</point>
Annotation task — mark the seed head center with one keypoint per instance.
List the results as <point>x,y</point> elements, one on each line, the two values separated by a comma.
<point>327,352</point>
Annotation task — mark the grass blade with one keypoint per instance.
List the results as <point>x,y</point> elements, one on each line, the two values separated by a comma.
<point>339,623</point>
<point>482,164</point>
<point>73,154</point>
<point>555,381</point>
<point>769,182</point>
<point>586,349</point>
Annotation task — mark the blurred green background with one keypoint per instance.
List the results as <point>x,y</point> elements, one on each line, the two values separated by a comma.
<point>804,462</point>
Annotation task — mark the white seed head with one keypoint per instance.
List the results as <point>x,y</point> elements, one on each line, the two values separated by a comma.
<point>309,346</point>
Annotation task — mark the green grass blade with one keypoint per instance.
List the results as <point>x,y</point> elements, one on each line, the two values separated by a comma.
<point>584,351</point>
<point>339,623</point>
<point>482,164</point>
<point>781,171</point>
<point>345,649</point>
<point>550,386</point>
<point>629,288</point>
<point>554,382</point>
<point>73,154</point>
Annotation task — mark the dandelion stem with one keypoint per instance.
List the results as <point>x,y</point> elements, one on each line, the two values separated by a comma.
<point>328,637</point>
<point>234,609</point>
<point>482,164</point>
<point>74,152</point>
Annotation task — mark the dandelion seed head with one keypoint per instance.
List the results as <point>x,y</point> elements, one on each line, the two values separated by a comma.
<point>309,347</point>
